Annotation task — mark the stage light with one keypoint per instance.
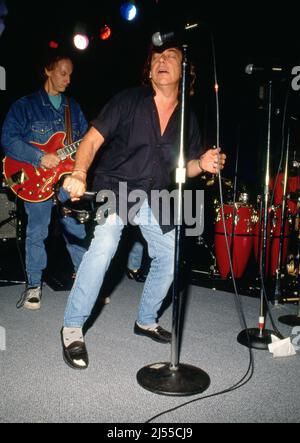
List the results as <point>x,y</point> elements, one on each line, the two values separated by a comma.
<point>81,41</point>
<point>53,44</point>
<point>105,32</point>
<point>128,10</point>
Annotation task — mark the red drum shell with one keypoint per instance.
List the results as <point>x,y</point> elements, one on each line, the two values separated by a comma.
<point>242,239</point>
<point>293,186</point>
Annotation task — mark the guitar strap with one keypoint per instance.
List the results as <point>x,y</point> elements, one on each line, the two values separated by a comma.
<point>68,122</point>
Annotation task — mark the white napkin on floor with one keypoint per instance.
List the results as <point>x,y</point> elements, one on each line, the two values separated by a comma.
<point>281,348</point>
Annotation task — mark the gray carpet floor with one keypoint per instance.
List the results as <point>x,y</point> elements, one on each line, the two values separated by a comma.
<point>37,386</point>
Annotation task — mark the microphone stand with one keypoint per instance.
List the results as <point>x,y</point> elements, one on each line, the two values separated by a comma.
<point>260,338</point>
<point>173,378</point>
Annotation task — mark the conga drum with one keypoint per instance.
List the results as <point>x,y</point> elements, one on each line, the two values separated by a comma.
<point>293,186</point>
<point>239,231</point>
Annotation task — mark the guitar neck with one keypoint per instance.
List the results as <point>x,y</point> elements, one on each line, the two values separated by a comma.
<point>67,151</point>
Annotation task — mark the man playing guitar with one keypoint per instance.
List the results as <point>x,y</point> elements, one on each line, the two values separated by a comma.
<point>34,135</point>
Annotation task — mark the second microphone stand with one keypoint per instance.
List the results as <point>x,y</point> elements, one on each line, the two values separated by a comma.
<point>260,338</point>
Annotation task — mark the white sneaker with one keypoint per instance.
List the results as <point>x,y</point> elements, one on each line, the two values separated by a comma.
<point>33,298</point>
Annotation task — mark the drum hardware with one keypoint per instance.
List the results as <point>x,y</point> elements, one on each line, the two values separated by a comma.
<point>255,217</point>
<point>243,198</point>
<point>291,267</point>
<point>286,184</point>
<point>213,270</point>
<point>294,320</point>
<point>210,182</point>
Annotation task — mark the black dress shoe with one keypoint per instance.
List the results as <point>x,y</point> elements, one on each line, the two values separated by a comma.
<point>137,275</point>
<point>131,274</point>
<point>74,352</point>
<point>158,334</point>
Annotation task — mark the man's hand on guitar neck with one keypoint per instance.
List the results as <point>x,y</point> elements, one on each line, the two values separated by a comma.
<point>50,161</point>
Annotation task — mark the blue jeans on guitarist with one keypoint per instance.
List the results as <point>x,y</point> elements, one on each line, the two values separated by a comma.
<point>39,217</point>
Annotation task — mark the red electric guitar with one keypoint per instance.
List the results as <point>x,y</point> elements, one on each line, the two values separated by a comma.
<point>36,184</point>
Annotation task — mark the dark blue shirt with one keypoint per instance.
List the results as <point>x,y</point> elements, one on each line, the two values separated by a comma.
<point>134,150</point>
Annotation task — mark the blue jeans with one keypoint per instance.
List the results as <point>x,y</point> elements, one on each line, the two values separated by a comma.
<point>135,256</point>
<point>39,217</point>
<point>97,260</point>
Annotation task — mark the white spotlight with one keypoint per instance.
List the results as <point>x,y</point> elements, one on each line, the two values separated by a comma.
<point>81,41</point>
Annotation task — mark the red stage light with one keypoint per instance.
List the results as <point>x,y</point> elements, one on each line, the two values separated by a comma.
<point>53,44</point>
<point>105,32</point>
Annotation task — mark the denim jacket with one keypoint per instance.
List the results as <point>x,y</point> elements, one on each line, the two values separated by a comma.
<point>34,119</point>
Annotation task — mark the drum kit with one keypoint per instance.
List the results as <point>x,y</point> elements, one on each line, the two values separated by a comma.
<point>242,223</point>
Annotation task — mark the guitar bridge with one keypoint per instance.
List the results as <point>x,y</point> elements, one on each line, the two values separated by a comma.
<point>17,179</point>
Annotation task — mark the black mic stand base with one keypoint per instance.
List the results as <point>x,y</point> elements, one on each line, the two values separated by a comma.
<point>255,338</point>
<point>290,320</point>
<point>183,380</point>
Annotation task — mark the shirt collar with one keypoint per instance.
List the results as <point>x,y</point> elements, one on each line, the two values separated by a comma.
<point>46,101</point>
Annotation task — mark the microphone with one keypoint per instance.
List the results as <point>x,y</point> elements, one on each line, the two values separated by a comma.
<point>251,69</point>
<point>159,39</point>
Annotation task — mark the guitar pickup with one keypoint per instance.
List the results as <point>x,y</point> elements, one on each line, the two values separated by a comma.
<point>17,179</point>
